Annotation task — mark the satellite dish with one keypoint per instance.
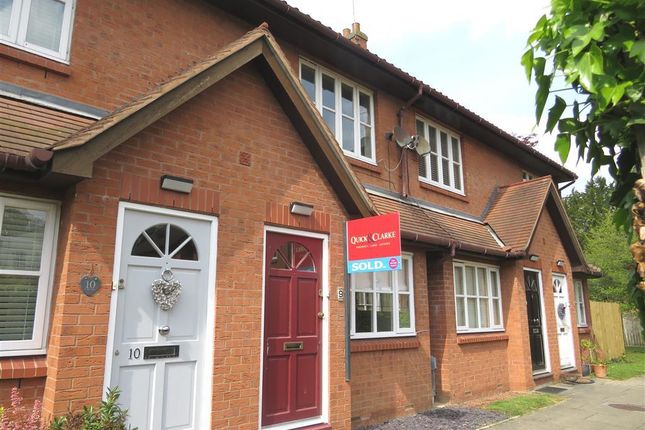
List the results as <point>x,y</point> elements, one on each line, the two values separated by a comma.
<point>402,138</point>
<point>422,147</point>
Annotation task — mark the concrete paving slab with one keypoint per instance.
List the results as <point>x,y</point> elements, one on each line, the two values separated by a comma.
<point>587,407</point>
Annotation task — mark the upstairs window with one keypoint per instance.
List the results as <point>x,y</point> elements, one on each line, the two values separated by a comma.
<point>580,304</point>
<point>383,302</point>
<point>526,176</point>
<point>442,166</point>
<point>27,230</point>
<point>43,27</point>
<point>347,109</point>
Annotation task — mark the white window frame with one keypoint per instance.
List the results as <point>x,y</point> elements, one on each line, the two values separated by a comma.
<point>580,303</point>
<point>397,332</point>
<point>440,157</point>
<point>36,345</point>
<point>357,90</point>
<point>19,21</point>
<point>490,271</point>
<point>527,176</point>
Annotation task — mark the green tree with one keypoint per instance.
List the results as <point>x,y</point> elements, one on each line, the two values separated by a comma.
<point>606,248</point>
<point>588,208</point>
<point>596,48</point>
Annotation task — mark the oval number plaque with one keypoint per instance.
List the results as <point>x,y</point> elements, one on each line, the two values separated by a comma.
<point>90,284</point>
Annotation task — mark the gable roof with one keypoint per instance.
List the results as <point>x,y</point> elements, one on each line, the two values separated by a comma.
<point>75,154</point>
<point>328,45</point>
<point>516,211</point>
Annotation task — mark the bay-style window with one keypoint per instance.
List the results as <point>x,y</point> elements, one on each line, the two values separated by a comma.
<point>580,304</point>
<point>347,109</point>
<point>27,230</point>
<point>383,302</point>
<point>478,300</point>
<point>443,166</point>
<point>43,27</point>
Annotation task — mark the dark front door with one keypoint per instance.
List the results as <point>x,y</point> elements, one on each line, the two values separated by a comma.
<point>534,311</point>
<point>291,382</point>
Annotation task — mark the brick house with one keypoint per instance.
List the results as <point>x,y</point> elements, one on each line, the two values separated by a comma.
<point>174,182</point>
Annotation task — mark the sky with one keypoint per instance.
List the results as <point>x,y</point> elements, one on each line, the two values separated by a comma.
<point>467,49</point>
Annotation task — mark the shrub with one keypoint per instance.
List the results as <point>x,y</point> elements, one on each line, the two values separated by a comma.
<point>108,416</point>
<point>19,417</point>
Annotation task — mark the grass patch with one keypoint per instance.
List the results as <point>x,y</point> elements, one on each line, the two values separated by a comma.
<point>630,365</point>
<point>524,403</point>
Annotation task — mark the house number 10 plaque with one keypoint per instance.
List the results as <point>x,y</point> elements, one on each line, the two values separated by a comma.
<point>90,284</point>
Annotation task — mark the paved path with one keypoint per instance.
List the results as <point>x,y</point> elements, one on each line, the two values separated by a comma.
<point>587,407</point>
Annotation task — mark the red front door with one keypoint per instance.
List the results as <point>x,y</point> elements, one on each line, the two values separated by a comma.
<point>291,380</point>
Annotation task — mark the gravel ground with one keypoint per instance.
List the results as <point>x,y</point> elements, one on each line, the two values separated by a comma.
<point>446,418</point>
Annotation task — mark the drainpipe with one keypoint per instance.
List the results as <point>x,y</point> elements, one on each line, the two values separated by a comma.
<point>36,160</point>
<point>405,188</point>
<point>348,311</point>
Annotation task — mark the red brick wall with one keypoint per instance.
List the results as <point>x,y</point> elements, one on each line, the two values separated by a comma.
<point>468,364</point>
<point>479,364</point>
<point>201,140</point>
<point>391,377</point>
<point>120,50</point>
<point>547,244</point>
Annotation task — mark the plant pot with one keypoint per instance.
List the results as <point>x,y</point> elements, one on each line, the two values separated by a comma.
<point>586,369</point>
<point>600,370</point>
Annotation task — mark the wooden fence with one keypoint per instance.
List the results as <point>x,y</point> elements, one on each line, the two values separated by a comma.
<point>632,330</point>
<point>608,328</point>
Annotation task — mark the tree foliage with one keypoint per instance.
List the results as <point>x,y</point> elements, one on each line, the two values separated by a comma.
<point>598,48</point>
<point>588,208</point>
<point>604,245</point>
<point>606,248</point>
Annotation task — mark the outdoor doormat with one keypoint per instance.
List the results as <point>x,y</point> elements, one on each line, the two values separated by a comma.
<point>551,390</point>
<point>627,407</point>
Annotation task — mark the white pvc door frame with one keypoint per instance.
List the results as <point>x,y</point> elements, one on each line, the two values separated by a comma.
<point>205,389</point>
<point>566,337</point>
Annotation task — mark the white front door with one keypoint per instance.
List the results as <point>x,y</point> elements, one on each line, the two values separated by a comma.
<point>563,320</point>
<point>161,354</point>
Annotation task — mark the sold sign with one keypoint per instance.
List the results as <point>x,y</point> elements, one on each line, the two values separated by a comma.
<point>374,244</point>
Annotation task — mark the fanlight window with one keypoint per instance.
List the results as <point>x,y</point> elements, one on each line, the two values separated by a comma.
<point>165,240</point>
<point>293,256</point>
<point>557,286</point>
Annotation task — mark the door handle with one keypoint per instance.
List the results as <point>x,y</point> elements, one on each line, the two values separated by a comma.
<point>164,330</point>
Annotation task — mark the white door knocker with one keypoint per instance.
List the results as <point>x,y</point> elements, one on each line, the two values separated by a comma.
<point>166,291</point>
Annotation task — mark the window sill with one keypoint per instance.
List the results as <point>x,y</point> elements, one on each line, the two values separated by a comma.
<point>367,345</point>
<point>584,330</point>
<point>362,164</point>
<point>34,60</point>
<point>444,192</point>
<point>23,367</point>
<point>464,339</point>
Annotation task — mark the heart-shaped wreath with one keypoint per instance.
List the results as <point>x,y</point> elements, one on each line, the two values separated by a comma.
<point>166,291</point>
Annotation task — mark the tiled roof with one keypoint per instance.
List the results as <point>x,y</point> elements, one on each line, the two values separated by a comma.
<point>426,222</point>
<point>515,212</point>
<point>25,126</point>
